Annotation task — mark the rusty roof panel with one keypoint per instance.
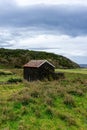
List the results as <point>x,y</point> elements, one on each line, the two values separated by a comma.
<point>36,63</point>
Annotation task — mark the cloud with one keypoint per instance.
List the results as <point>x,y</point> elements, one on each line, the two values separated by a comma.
<point>31,2</point>
<point>59,44</point>
<point>80,59</point>
<point>70,20</point>
<point>6,4</point>
<point>60,29</point>
<point>71,47</point>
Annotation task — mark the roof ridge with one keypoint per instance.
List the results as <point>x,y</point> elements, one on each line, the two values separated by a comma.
<point>37,63</point>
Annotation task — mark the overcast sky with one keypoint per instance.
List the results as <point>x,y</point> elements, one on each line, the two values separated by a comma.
<point>58,26</point>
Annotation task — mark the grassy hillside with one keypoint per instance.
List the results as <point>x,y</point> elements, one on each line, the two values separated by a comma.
<point>54,105</point>
<point>17,58</point>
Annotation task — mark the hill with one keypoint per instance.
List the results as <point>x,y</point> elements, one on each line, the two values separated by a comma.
<point>18,57</point>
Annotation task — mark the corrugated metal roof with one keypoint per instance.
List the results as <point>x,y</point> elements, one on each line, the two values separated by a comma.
<point>36,63</point>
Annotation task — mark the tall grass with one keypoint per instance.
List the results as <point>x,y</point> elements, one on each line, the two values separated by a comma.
<point>47,105</point>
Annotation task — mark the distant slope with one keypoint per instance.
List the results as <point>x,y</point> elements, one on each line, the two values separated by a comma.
<point>83,65</point>
<point>18,57</point>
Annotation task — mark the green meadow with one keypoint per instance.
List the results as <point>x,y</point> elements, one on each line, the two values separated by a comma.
<point>78,70</point>
<point>43,105</point>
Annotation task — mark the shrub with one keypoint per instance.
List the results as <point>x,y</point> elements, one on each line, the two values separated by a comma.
<point>37,113</point>
<point>59,75</point>
<point>56,76</point>
<point>77,92</point>
<point>23,97</point>
<point>49,101</point>
<point>23,126</point>
<point>5,73</point>
<point>69,119</point>
<point>9,114</point>
<point>14,80</point>
<point>13,116</point>
<point>24,110</point>
<point>69,101</point>
<point>61,91</point>
<point>49,111</point>
<point>35,94</point>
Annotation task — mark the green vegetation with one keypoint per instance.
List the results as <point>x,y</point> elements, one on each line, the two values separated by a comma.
<point>17,58</point>
<point>47,105</point>
<point>81,71</point>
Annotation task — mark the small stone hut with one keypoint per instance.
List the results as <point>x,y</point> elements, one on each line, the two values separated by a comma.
<point>38,70</point>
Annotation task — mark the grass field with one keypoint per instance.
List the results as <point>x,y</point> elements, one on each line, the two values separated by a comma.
<point>47,105</point>
<point>80,71</point>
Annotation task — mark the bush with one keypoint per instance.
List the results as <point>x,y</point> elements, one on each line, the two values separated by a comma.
<point>49,111</point>
<point>37,113</point>
<point>9,114</point>
<point>35,94</point>
<point>56,76</point>
<point>5,73</point>
<point>69,101</point>
<point>23,97</point>
<point>14,80</point>
<point>23,126</point>
<point>59,75</point>
<point>69,119</point>
<point>49,101</point>
<point>77,92</point>
<point>24,110</point>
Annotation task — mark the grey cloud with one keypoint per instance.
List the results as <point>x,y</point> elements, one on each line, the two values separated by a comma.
<point>70,20</point>
<point>5,44</point>
<point>43,48</point>
<point>79,59</point>
<point>6,4</point>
